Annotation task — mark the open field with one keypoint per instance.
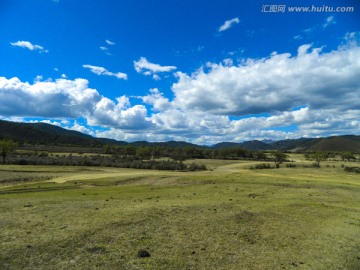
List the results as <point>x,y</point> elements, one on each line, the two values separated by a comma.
<point>229,217</point>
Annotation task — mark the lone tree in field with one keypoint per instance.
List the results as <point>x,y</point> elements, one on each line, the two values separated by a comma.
<point>318,157</point>
<point>279,157</point>
<point>348,156</point>
<point>6,146</point>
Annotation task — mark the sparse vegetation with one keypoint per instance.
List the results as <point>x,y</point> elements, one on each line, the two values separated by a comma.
<point>317,157</point>
<point>84,203</point>
<point>102,160</point>
<point>262,166</point>
<point>6,147</point>
<point>290,165</point>
<point>228,218</point>
<point>279,157</point>
<point>352,169</point>
<point>347,156</point>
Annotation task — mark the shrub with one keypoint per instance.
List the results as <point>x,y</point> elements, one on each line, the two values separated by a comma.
<point>315,165</point>
<point>290,165</point>
<point>262,166</point>
<point>43,154</point>
<point>196,167</point>
<point>21,162</point>
<point>352,169</point>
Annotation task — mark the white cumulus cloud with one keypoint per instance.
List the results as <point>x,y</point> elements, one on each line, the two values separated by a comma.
<point>109,42</point>
<point>118,115</point>
<point>157,100</point>
<point>78,127</point>
<point>228,24</point>
<point>310,93</point>
<point>329,21</point>
<point>103,71</point>
<point>277,83</point>
<point>61,98</point>
<point>28,45</point>
<point>71,99</point>
<point>147,68</point>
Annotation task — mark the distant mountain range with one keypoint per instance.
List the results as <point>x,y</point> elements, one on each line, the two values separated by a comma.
<point>46,134</point>
<point>349,143</point>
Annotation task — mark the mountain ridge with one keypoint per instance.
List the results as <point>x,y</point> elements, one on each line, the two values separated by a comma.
<point>43,133</point>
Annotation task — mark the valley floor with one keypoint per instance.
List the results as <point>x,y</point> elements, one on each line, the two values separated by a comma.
<point>229,217</point>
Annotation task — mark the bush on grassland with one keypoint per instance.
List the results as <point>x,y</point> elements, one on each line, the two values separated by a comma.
<point>352,169</point>
<point>196,167</point>
<point>290,165</point>
<point>262,166</point>
<point>106,161</point>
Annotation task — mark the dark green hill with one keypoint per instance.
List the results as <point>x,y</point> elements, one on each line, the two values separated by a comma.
<point>352,137</point>
<point>349,143</point>
<point>46,134</point>
<point>111,141</point>
<point>249,145</point>
<point>256,145</point>
<point>340,143</point>
<point>296,145</point>
<point>174,144</point>
<point>226,145</point>
<point>337,144</point>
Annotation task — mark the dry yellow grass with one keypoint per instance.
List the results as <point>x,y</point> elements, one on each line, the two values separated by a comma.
<point>228,218</point>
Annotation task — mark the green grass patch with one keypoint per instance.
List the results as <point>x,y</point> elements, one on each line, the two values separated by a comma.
<point>228,218</point>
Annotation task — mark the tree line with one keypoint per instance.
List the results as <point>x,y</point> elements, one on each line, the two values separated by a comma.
<point>320,156</point>
<point>130,156</point>
<point>183,153</point>
<point>159,157</point>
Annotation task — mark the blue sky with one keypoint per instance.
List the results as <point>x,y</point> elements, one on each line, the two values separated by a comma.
<point>199,71</point>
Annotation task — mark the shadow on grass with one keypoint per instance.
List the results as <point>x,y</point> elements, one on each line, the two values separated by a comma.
<point>38,189</point>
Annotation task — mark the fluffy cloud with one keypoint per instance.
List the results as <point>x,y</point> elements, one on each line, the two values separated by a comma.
<point>29,46</point>
<point>351,39</point>
<point>110,42</point>
<point>106,49</point>
<point>103,71</point>
<point>145,67</point>
<point>157,100</point>
<point>280,82</point>
<point>228,24</point>
<point>78,127</point>
<point>318,27</point>
<point>119,115</point>
<point>45,99</point>
<point>329,21</point>
<point>72,99</point>
<point>311,93</point>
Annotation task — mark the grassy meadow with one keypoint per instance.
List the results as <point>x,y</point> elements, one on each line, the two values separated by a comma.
<point>228,217</point>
